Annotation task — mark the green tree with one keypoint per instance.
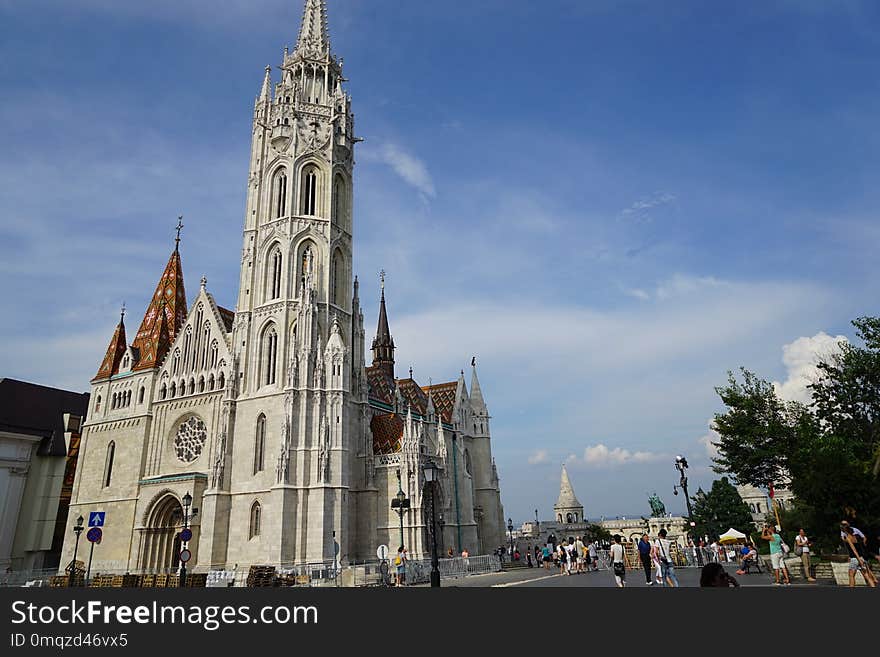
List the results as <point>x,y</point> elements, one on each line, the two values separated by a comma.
<point>720,509</point>
<point>829,451</point>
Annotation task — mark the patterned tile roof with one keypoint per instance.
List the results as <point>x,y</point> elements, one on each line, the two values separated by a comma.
<point>228,317</point>
<point>169,300</point>
<point>443,395</point>
<point>413,395</point>
<point>381,385</point>
<point>387,433</point>
<point>115,350</point>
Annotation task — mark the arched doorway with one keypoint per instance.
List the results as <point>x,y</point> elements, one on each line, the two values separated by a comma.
<point>161,552</point>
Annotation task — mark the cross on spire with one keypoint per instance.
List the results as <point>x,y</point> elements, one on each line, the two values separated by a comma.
<point>179,227</point>
<point>382,280</point>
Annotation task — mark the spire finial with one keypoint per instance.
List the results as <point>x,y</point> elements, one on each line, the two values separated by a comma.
<point>204,282</point>
<point>179,227</point>
<point>474,361</point>
<point>410,371</point>
<point>382,281</point>
<point>122,313</point>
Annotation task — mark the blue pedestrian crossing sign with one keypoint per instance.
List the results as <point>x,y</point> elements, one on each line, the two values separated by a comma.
<point>96,518</point>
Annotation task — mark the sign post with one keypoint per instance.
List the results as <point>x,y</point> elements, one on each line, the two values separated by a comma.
<point>94,535</point>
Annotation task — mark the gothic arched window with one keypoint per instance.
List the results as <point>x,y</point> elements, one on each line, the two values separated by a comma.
<point>141,396</point>
<point>268,355</point>
<point>254,530</point>
<point>108,465</point>
<point>275,264</point>
<point>338,285</point>
<point>260,444</point>
<point>98,404</point>
<point>309,191</point>
<point>340,205</point>
<point>279,193</point>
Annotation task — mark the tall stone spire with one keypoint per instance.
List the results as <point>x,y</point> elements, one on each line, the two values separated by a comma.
<point>115,350</point>
<point>169,299</point>
<point>266,91</point>
<point>567,507</point>
<point>383,344</point>
<point>313,39</point>
<point>477,403</point>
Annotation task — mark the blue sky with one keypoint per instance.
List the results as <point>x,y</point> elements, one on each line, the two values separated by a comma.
<point>609,203</point>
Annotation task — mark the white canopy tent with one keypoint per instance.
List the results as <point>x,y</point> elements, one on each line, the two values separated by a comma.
<point>731,536</point>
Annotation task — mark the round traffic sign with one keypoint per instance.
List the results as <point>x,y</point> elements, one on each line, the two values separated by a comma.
<point>186,535</point>
<point>382,552</point>
<point>94,534</point>
<point>185,555</point>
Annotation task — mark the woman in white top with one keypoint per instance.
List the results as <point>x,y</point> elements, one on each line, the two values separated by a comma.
<point>802,545</point>
<point>618,562</point>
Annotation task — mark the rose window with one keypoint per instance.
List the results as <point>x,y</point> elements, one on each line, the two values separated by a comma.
<point>190,440</point>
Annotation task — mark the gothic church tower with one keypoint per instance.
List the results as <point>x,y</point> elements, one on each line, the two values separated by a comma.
<point>298,373</point>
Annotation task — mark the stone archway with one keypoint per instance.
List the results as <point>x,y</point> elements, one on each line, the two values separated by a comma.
<point>161,548</point>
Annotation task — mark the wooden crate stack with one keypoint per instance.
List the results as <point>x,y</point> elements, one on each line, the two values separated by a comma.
<point>102,581</point>
<point>197,580</point>
<point>261,576</point>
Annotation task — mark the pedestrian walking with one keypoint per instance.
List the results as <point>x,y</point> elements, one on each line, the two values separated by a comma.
<point>858,561</point>
<point>776,554</point>
<point>802,549</point>
<point>400,566</point>
<point>644,546</point>
<point>579,554</point>
<point>618,562</point>
<point>594,557</point>
<point>667,568</point>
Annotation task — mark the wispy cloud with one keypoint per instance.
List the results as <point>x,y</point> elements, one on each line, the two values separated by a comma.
<point>640,211</point>
<point>408,167</point>
<point>540,456</point>
<point>602,455</point>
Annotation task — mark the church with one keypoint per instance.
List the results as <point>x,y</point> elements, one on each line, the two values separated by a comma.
<point>290,447</point>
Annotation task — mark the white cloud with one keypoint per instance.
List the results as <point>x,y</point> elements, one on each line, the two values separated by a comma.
<point>707,440</point>
<point>410,168</point>
<point>800,358</point>
<point>538,457</point>
<point>641,210</point>
<point>598,455</point>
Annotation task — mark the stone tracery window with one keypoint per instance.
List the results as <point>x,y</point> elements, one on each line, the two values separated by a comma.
<point>190,439</point>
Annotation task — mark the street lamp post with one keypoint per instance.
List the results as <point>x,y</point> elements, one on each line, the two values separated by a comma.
<point>185,535</point>
<point>400,504</point>
<point>510,533</point>
<point>442,523</point>
<point>537,524</point>
<point>430,471</point>
<point>78,529</point>
<point>681,465</point>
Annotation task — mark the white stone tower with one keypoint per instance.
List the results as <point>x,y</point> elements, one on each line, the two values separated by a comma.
<point>298,377</point>
<point>567,508</point>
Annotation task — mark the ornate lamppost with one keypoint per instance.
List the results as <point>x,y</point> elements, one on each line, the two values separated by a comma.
<point>78,529</point>
<point>681,465</point>
<point>185,536</point>
<point>400,504</point>
<point>430,471</point>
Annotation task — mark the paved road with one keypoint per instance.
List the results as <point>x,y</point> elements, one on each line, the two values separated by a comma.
<point>535,577</point>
